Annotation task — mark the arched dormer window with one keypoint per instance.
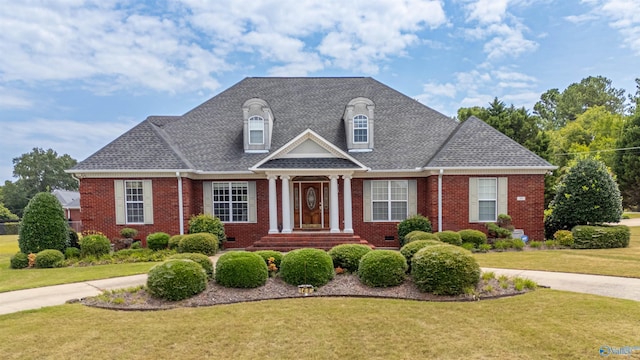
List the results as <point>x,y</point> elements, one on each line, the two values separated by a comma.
<point>359,124</point>
<point>360,129</point>
<point>258,126</point>
<point>256,130</point>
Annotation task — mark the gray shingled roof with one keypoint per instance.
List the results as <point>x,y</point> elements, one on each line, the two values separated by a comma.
<point>209,138</point>
<point>477,144</point>
<point>309,163</point>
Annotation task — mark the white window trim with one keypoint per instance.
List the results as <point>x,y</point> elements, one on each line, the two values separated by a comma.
<point>495,200</point>
<point>389,201</point>
<point>121,203</point>
<point>366,128</point>
<point>127,202</point>
<point>231,202</point>
<point>253,121</point>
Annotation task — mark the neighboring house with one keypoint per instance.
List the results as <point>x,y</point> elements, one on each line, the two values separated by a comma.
<point>70,201</point>
<point>310,159</point>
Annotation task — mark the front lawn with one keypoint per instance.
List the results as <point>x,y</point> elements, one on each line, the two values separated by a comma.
<point>544,324</point>
<point>614,262</point>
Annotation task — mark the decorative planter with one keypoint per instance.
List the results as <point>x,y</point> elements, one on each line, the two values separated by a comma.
<point>305,289</point>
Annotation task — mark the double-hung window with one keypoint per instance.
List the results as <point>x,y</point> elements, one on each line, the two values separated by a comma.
<point>134,202</point>
<point>231,201</point>
<point>389,200</point>
<point>256,130</point>
<point>360,129</point>
<point>487,199</point>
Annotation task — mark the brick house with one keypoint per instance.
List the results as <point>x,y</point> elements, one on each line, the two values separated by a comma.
<point>328,159</point>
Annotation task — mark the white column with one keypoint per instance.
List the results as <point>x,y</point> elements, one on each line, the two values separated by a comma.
<point>348,217</point>
<point>333,205</point>
<point>273,205</point>
<point>286,208</point>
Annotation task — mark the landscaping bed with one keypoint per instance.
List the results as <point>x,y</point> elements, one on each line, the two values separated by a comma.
<point>347,285</point>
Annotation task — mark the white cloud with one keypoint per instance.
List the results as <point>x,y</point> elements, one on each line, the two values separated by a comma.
<point>14,99</point>
<point>487,11</point>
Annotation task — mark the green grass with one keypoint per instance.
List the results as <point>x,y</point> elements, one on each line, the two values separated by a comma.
<point>544,324</point>
<point>615,262</point>
<point>633,215</point>
<point>11,279</point>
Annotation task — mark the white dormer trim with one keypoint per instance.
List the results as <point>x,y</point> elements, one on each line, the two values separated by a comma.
<point>288,150</point>
<point>359,107</point>
<point>256,107</point>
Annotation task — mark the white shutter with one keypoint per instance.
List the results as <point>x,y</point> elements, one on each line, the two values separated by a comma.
<point>413,198</point>
<point>118,186</point>
<point>474,207</point>
<point>207,200</point>
<point>366,198</point>
<point>253,207</point>
<point>503,195</point>
<point>147,198</point>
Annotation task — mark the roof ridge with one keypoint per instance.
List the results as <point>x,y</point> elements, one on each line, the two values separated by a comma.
<point>444,143</point>
<point>167,140</point>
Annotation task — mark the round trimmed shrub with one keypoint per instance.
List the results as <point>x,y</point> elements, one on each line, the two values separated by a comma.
<point>266,254</point>
<point>174,242</point>
<point>206,223</point>
<point>49,258</point>
<point>71,252</point>
<point>94,245</point>
<point>176,279</point>
<point>241,269</point>
<point>420,235</point>
<point>382,268</point>
<point>203,243</point>
<point>475,237</point>
<point>128,233</point>
<point>158,241</point>
<point>347,256</point>
<point>408,250</point>
<point>450,237</point>
<point>444,270</point>
<point>563,237</point>
<point>307,267</point>
<point>43,225</point>
<point>19,261</point>
<point>202,260</point>
<point>415,222</point>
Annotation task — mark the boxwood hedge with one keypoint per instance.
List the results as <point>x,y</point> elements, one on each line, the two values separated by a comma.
<point>347,256</point>
<point>444,270</point>
<point>176,279</point>
<point>241,269</point>
<point>382,268</point>
<point>307,267</point>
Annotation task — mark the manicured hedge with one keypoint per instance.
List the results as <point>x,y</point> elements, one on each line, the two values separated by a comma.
<point>419,235</point>
<point>408,250</point>
<point>475,237</point>
<point>415,222</point>
<point>266,254</point>
<point>94,245</point>
<point>347,256</point>
<point>49,258</point>
<point>203,243</point>
<point>19,261</point>
<point>600,237</point>
<point>201,259</point>
<point>174,242</point>
<point>158,241</point>
<point>450,237</point>
<point>382,268</point>
<point>176,279</point>
<point>444,270</point>
<point>307,267</point>
<point>241,269</point>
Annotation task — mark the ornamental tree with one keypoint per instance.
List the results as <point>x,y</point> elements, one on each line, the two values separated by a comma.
<point>43,225</point>
<point>586,195</point>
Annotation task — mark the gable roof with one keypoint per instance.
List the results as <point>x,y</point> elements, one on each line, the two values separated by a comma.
<point>209,138</point>
<point>68,199</point>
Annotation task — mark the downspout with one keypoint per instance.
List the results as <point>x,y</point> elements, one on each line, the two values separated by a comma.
<point>440,200</point>
<point>180,203</point>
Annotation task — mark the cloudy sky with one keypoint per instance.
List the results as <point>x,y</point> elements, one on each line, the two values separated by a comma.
<point>75,74</point>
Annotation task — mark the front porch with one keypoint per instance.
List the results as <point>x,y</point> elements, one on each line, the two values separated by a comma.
<point>324,240</point>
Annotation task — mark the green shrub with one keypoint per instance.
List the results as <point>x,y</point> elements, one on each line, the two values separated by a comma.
<point>517,244</point>
<point>307,267</point>
<point>205,223</point>
<point>469,246</point>
<point>502,245</point>
<point>94,245</point>
<point>43,225</point>
<point>11,228</point>
<point>266,254</point>
<point>475,237</point>
<point>128,233</point>
<point>420,235</point>
<point>415,222</point>
<point>409,237</point>
<point>408,250</point>
<point>176,279</point>
<point>444,270</point>
<point>49,258</point>
<point>158,241</point>
<point>450,237</point>
<point>382,268</point>
<point>203,243</point>
<point>495,231</point>
<point>600,237</point>
<point>19,261</point>
<point>563,237</point>
<point>201,259</point>
<point>174,242</point>
<point>535,244</point>
<point>484,247</point>
<point>550,244</point>
<point>347,256</point>
<point>71,252</point>
<point>141,255</point>
<point>74,240</point>
<point>241,269</point>
<point>136,245</point>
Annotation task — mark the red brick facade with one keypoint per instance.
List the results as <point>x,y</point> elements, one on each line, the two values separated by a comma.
<point>525,205</point>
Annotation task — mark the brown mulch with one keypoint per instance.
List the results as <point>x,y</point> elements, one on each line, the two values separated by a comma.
<point>344,285</point>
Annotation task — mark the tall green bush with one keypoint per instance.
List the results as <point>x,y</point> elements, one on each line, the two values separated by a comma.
<point>206,223</point>
<point>43,225</point>
<point>415,222</point>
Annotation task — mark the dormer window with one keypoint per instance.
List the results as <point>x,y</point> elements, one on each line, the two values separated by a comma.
<point>258,125</point>
<point>256,130</point>
<point>359,124</point>
<point>360,129</point>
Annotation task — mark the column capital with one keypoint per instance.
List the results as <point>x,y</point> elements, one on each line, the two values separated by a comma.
<point>272,177</point>
<point>285,177</point>
<point>347,176</point>
<point>334,177</point>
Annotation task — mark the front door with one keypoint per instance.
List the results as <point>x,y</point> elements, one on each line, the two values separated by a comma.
<point>311,205</point>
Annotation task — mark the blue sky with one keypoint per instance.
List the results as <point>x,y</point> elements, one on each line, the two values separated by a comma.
<point>76,74</point>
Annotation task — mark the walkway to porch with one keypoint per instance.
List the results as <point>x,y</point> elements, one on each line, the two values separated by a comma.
<point>324,240</point>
